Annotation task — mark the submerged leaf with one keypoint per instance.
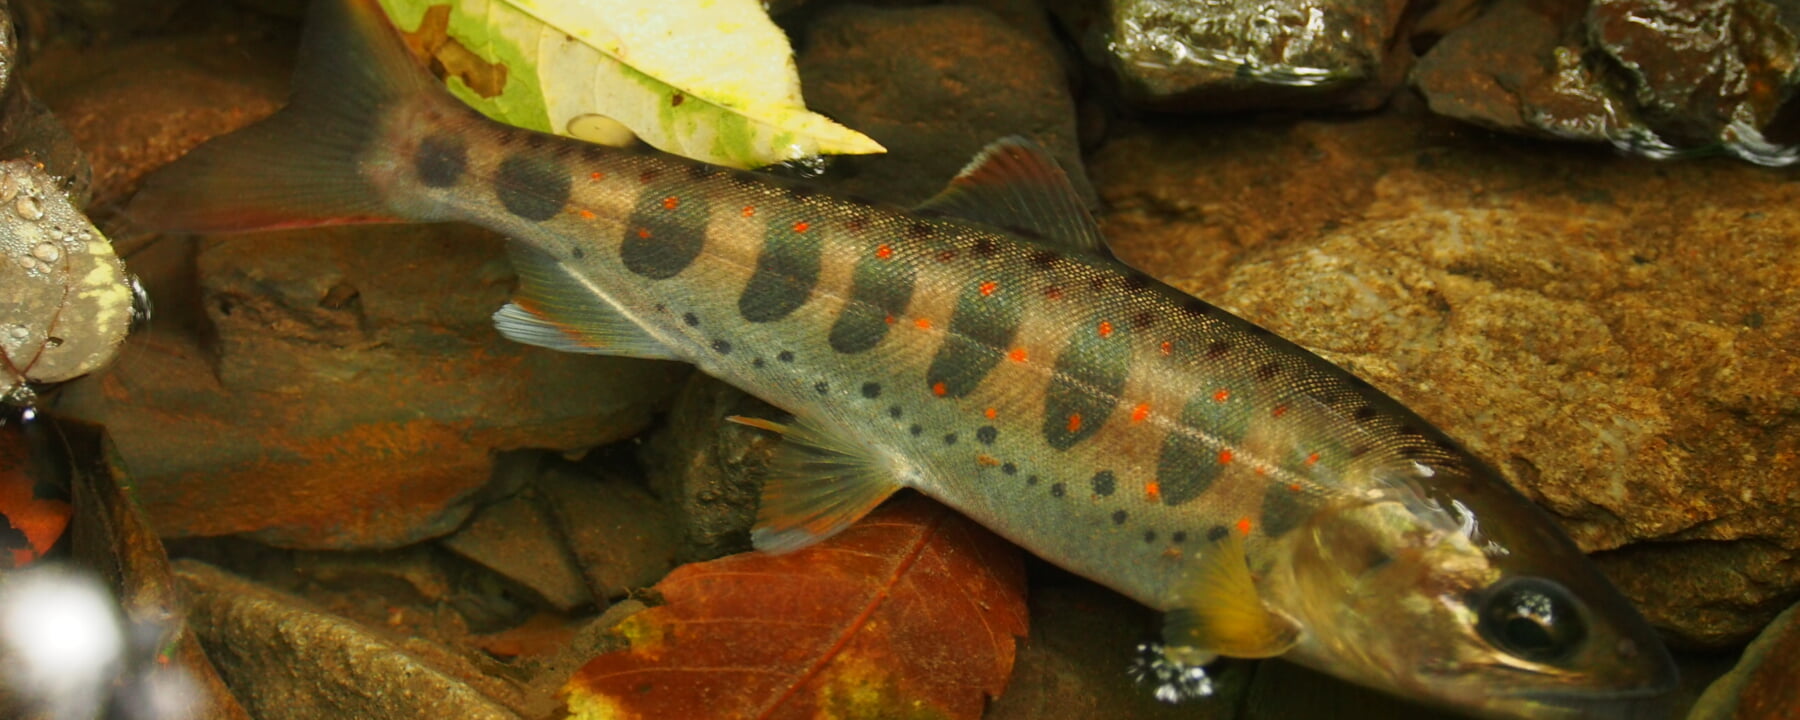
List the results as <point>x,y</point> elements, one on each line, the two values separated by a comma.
<point>713,80</point>
<point>910,613</point>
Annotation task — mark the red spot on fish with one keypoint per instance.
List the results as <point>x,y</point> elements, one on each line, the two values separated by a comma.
<point>671,202</point>
<point>587,214</point>
<point>938,389</point>
<point>643,233</point>
<point>1153,491</point>
<point>884,252</point>
<point>988,288</point>
<point>596,175</point>
<point>1221,395</point>
<point>1279,411</point>
<point>1225,456</point>
<point>986,460</point>
<point>1017,355</point>
<point>1105,329</point>
<point>889,319</point>
<point>923,323</point>
<point>1312,459</point>
<point>1140,412</point>
<point>802,226</point>
<point>1075,422</point>
<point>1243,526</point>
<point>749,211</point>
<point>991,413</point>
<point>1168,347</point>
<point>1053,292</point>
<point>1262,470</point>
<point>1294,487</point>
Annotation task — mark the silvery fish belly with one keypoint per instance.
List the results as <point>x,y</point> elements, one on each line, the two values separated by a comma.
<point>987,350</point>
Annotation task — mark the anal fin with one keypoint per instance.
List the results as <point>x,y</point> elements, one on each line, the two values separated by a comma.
<point>555,308</point>
<point>1221,612</point>
<point>819,482</point>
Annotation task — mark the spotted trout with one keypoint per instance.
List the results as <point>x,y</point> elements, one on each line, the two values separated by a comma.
<point>987,350</point>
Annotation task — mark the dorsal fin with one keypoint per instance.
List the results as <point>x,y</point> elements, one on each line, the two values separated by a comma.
<point>1013,184</point>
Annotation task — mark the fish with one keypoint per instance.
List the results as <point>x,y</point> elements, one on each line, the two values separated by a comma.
<point>988,350</point>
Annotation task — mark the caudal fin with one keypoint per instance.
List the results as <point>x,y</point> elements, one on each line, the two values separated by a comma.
<point>299,167</point>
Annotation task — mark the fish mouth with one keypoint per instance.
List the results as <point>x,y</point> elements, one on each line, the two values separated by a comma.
<point>1652,701</point>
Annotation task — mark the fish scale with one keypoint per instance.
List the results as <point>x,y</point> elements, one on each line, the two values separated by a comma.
<point>987,350</point>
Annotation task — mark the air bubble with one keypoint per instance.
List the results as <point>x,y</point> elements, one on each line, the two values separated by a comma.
<point>18,332</point>
<point>28,208</point>
<point>9,188</point>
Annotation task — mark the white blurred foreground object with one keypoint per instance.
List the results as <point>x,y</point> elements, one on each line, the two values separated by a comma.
<point>65,653</point>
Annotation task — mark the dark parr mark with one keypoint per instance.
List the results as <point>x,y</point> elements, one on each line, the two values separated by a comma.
<point>786,271</point>
<point>1187,467</point>
<point>663,239</point>
<point>1090,375</point>
<point>981,332</point>
<point>1282,510</point>
<point>533,186</point>
<point>1104,483</point>
<point>879,291</point>
<point>440,160</point>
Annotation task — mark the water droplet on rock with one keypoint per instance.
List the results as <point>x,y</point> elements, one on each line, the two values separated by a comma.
<point>47,252</point>
<point>28,208</point>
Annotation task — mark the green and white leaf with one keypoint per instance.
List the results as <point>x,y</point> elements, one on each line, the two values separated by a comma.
<point>713,80</point>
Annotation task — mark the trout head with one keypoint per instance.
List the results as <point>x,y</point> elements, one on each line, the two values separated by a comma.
<point>1478,603</point>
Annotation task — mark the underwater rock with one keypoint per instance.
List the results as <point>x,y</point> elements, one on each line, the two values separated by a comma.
<point>1073,664</point>
<point>934,85</point>
<point>285,660</point>
<point>1656,77</point>
<point>1762,686</point>
<point>708,469</point>
<point>342,398</point>
<point>1616,337</point>
<point>621,536</point>
<point>513,538</point>
<point>1222,55</point>
<point>66,300</point>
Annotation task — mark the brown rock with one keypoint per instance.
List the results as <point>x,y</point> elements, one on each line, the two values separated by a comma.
<point>1762,686</point>
<point>344,399</point>
<point>621,536</point>
<point>513,537</point>
<point>1618,338</point>
<point>934,85</point>
<point>709,469</point>
<point>284,660</point>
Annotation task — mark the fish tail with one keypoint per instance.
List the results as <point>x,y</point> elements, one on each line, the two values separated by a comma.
<point>304,165</point>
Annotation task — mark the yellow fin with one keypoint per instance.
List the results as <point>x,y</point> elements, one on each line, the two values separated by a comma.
<point>820,481</point>
<point>1222,614</point>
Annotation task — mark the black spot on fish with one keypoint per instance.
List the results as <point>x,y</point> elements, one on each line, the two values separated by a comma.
<point>786,271</point>
<point>1009,469</point>
<point>950,439</point>
<point>721,347</point>
<point>577,253</point>
<point>1217,349</point>
<point>984,248</point>
<point>1031,479</point>
<point>757,362</point>
<point>1045,258</point>
<point>822,387</point>
<point>1057,490</point>
<point>1119,517</point>
<point>1143,320</point>
<point>1196,307</point>
<point>916,430</point>
<point>700,171</point>
<point>879,292</point>
<point>785,356</point>
<point>531,186</point>
<point>1267,371</point>
<point>981,328</point>
<point>1178,537</point>
<point>895,412</point>
<point>441,160</point>
<point>662,240</point>
<point>987,434</point>
<point>1149,536</point>
<point>1135,281</point>
<point>871,390</point>
<point>691,319</point>
<point>1104,483</point>
<point>1090,375</point>
<point>919,231</point>
<point>1217,533</point>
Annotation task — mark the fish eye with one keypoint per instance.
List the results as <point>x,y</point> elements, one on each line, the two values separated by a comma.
<point>1532,619</point>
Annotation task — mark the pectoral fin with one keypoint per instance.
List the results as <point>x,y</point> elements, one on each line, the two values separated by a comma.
<point>819,483</point>
<point>555,308</point>
<point>1221,612</point>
